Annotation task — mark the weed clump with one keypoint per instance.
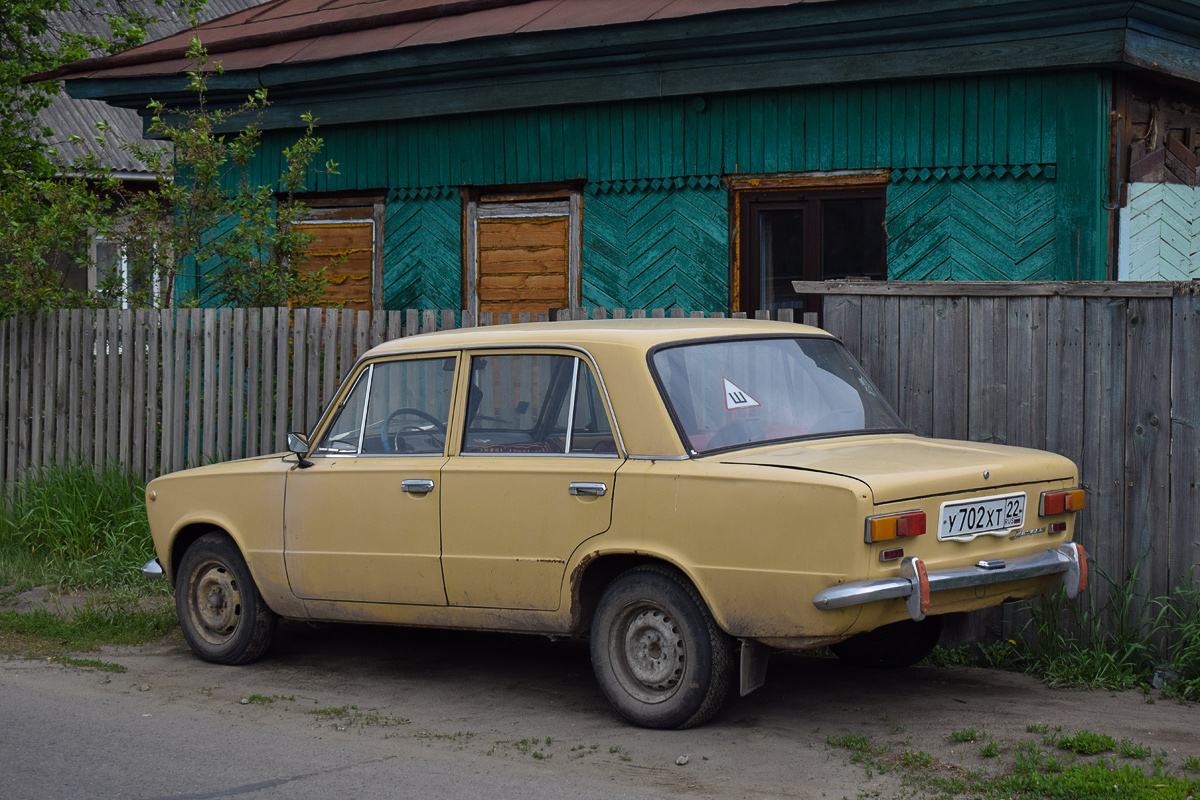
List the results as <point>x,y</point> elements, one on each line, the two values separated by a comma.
<point>74,526</point>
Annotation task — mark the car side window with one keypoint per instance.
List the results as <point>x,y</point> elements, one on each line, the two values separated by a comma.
<point>407,407</point>
<point>534,404</point>
<point>342,436</point>
<point>590,430</point>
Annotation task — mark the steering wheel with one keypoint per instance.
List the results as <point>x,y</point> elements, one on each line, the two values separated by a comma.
<point>414,412</point>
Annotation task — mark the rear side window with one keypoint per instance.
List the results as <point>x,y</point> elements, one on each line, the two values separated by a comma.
<point>535,404</point>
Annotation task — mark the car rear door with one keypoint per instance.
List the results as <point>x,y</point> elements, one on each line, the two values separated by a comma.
<point>533,477</point>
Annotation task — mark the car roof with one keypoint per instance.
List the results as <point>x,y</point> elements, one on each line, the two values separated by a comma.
<point>638,333</point>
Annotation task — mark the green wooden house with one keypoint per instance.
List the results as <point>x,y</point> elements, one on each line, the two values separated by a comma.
<point>520,155</point>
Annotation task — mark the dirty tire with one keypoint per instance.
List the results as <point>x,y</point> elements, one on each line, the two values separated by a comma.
<point>894,646</point>
<point>221,612</point>
<point>659,657</point>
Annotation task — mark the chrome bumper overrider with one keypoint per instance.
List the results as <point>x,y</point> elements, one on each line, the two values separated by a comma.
<point>1068,559</point>
<point>152,569</point>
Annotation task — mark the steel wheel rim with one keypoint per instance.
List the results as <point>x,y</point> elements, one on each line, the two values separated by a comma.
<point>216,602</point>
<point>648,652</point>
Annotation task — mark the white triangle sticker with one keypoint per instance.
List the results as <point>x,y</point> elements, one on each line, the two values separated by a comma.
<point>736,398</point>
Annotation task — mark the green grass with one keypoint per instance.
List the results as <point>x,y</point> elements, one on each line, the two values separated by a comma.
<point>1033,774</point>
<point>92,663</point>
<point>1099,779</point>
<point>1119,645</point>
<point>1128,748</point>
<point>88,629</point>
<point>72,527</point>
<point>75,529</point>
<point>1087,743</point>
<point>965,735</point>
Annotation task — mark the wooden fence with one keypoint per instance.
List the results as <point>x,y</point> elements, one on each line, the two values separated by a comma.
<point>1107,374</point>
<point>157,391</point>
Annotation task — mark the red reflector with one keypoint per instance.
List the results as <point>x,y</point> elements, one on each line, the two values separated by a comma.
<point>892,555</point>
<point>1083,569</point>
<point>1058,527</point>
<point>923,577</point>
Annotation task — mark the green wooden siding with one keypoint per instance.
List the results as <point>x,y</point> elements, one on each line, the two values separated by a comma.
<point>421,252</point>
<point>978,229</point>
<point>662,246</point>
<point>651,242</point>
<point>996,120</point>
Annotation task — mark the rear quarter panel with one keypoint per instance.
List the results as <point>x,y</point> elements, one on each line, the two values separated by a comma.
<point>758,542</point>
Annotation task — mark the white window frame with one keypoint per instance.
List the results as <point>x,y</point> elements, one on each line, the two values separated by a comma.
<point>122,267</point>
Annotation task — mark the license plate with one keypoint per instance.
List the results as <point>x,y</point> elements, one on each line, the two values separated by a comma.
<point>965,519</point>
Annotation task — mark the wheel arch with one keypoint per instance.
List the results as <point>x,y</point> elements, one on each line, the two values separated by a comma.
<point>597,571</point>
<point>186,536</point>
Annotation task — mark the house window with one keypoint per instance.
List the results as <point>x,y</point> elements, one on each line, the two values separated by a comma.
<point>805,234</point>
<point>347,245</point>
<point>122,280</point>
<point>522,252</point>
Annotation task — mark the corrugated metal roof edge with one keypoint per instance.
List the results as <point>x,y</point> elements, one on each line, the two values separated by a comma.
<point>144,55</point>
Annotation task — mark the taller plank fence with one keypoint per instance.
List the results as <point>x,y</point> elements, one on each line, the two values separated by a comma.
<point>1105,374</point>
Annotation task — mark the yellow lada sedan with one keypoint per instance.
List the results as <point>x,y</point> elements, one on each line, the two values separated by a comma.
<point>688,493</point>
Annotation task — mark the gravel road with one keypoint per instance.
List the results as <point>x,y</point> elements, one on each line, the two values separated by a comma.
<point>370,712</point>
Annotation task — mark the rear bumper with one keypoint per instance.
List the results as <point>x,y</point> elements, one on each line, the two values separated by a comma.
<point>152,569</point>
<point>1068,560</point>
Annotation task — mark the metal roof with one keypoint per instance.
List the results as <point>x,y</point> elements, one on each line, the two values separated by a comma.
<point>66,116</point>
<point>297,31</point>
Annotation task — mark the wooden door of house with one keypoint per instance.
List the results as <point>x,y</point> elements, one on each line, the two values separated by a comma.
<point>523,254</point>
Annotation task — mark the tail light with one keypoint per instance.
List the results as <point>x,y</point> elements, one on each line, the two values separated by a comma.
<point>1061,502</point>
<point>886,527</point>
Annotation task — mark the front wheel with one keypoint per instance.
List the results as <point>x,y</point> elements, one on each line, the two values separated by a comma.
<point>898,645</point>
<point>659,657</point>
<point>221,612</point>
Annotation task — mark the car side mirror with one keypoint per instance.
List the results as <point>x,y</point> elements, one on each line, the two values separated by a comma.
<point>298,444</point>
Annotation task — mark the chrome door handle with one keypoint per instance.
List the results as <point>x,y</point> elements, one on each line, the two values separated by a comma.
<point>416,486</point>
<point>597,489</point>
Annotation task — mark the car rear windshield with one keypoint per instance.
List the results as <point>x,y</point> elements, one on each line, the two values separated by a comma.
<point>733,393</point>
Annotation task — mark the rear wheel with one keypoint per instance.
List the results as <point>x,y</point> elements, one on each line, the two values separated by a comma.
<point>900,644</point>
<point>659,657</point>
<point>221,612</point>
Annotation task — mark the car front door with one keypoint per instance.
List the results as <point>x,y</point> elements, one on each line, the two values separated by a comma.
<point>362,523</point>
<point>532,478</point>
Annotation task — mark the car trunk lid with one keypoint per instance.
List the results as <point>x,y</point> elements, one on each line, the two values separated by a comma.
<point>901,466</point>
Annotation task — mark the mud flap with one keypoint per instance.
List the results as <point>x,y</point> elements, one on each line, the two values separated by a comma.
<point>753,666</point>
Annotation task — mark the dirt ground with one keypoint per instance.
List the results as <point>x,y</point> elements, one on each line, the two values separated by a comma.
<point>527,706</point>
